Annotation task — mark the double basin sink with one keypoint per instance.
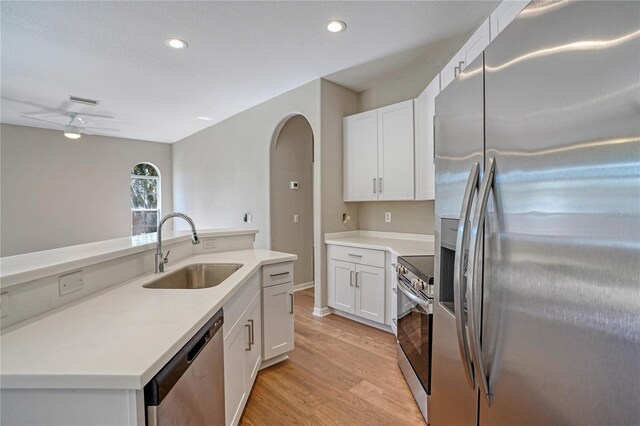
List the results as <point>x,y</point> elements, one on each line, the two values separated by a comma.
<point>200,275</point>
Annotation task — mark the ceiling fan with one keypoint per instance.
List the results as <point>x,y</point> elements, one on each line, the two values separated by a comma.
<point>76,125</point>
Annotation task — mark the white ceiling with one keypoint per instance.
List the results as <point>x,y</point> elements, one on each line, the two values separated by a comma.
<point>239,54</point>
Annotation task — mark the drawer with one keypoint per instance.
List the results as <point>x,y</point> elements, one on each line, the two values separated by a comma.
<point>278,273</point>
<point>357,255</point>
<point>235,307</point>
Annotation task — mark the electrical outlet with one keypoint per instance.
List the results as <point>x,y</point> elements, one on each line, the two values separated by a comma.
<point>209,244</point>
<point>70,283</point>
<point>387,217</point>
<point>4,300</point>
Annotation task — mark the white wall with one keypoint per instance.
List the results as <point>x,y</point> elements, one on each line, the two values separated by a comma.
<point>222,172</point>
<point>57,192</point>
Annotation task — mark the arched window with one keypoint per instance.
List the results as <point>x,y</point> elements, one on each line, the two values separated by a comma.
<point>145,199</point>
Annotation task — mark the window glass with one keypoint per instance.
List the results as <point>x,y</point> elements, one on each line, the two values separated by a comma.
<point>145,199</point>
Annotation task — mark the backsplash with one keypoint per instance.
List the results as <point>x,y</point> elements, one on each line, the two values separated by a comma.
<point>415,217</point>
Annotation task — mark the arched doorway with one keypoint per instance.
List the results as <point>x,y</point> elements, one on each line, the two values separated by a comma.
<point>291,195</point>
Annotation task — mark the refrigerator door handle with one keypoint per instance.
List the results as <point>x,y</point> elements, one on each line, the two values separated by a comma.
<point>474,288</point>
<point>460,269</point>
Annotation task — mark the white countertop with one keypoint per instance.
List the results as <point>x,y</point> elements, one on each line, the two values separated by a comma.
<point>398,244</point>
<point>31,266</point>
<point>121,338</point>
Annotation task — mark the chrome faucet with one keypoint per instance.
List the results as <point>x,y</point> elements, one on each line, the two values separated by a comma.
<point>160,260</point>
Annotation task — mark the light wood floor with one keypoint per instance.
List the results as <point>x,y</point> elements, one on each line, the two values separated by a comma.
<point>340,373</point>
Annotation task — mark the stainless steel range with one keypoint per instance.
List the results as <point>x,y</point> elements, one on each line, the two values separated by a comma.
<point>415,325</point>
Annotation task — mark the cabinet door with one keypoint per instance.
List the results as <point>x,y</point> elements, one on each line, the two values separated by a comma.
<point>370,287</point>
<point>253,357</point>
<point>476,43</point>
<point>360,138</point>
<point>278,319</point>
<point>425,148</point>
<point>504,14</point>
<point>395,152</point>
<point>235,372</point>
<point>341,287</point>
<point>449,73</point>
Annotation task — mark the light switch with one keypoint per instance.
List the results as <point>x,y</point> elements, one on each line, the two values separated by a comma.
<point>296,218</point>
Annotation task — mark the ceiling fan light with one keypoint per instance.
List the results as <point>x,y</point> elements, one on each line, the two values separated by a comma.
<point>72,134</point>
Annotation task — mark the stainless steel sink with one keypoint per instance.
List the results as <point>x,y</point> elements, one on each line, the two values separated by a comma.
<point>201,275</point>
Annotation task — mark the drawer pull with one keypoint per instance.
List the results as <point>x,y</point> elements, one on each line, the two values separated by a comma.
<point>291,296</point>
<point>279,274</point>
<point>355,255</point>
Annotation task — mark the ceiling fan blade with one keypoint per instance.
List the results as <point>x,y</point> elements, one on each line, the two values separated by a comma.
<point>44,121</point>
<point>86,114</point>
<point>106,129</point>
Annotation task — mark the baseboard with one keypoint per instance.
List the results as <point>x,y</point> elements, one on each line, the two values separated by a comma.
<point>322,312</point>
<point>303,286</point>
<point>364,321</point>
<point>273,361</point>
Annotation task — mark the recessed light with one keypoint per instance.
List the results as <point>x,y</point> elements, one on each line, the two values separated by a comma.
<point>72,134</point>
<point>176,43</point>
<point>202,117</point>
<point>336,26</point>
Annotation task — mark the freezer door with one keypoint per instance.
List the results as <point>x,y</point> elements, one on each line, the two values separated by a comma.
<point>459,136</point>
<point>561,328</point>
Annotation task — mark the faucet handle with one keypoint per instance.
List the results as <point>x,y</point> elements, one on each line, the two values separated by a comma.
<point>165,260</point>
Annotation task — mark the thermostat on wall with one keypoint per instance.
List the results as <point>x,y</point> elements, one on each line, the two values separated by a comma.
<point>294,185</point>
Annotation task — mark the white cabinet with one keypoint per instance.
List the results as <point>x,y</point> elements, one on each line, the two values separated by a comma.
<point>504,14</point>
<point>425,171</point>
<point>278,319</point>
<point>474,46</point>
<point>369,292</point>
<point>360,134</point>
<point>378,154</point>
<point>277,310</point>
<point>242,358</point>
<point>395,152</point>
<point>355,287</point>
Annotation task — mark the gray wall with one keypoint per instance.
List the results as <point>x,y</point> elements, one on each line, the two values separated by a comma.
<point>292,160</point>
<point>406,216</point>
<point>58,192</point>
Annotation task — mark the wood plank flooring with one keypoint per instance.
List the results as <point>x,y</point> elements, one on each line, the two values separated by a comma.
<point>340,373</point>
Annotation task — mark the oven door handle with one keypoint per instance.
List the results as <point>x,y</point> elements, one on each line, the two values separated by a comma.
<point>459,269</point>
<point>428,307</point>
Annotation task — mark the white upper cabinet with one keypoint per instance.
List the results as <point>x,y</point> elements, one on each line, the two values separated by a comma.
<point>478,41</point>
<point>395,152</point>
<point>360,136</point>
<point>378,154</point>
<point>424,113</point>
<point>504,14</point>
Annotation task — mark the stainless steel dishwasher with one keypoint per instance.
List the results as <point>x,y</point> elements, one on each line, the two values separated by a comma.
<point>189,390</point>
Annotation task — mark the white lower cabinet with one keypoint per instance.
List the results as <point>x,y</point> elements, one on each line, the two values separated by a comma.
<point>277,311</point>
<point>356,288</point>
<point>242,358</point>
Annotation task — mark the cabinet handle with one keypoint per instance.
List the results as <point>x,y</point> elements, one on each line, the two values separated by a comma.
<point>291,296</point>
<point>249,330</point>
<point>351,278</point>
<point>460,65</point>
<point>355,255</point>
<point>456,71</point>
<point>252,338</point>
<point>357,279</point>
<point>380,185</point>
<point>279,275</point>
<point>374,185</point>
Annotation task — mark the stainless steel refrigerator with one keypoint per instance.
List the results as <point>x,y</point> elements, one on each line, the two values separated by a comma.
<point>537,313</point>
